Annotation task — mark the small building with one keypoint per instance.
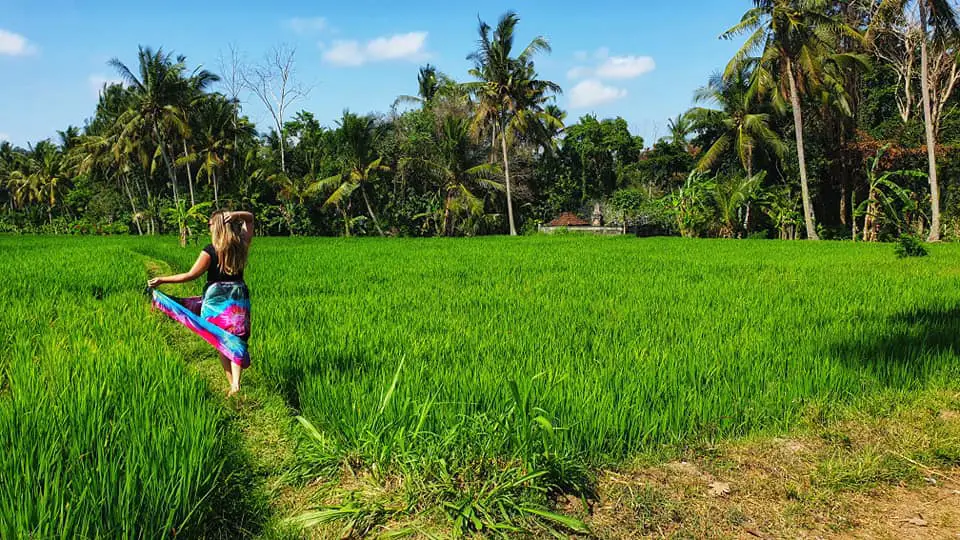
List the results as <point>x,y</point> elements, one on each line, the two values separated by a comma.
<point>571,222</point>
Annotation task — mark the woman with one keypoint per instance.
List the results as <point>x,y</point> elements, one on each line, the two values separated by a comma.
<point>222,315</point>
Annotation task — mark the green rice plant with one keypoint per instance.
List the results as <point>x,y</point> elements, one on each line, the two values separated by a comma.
<point>460,365</point>
<point>104,433</point>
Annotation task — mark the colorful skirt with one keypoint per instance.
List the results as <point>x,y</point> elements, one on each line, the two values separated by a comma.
<point>221,317</point>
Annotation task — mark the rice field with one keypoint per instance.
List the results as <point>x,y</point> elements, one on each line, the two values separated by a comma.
<point>431,358</point>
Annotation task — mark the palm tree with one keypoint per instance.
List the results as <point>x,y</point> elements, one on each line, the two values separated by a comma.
<point>511,98</point>
<point>791,43</point>
<point>38,177</point>
<point>361,163</point>
<point>432,87</point>
<point>428,85</point>
<point>680,129</point>
<point>194,98</point>
<point>938,20</point>
<point>7,166</point>
<point>744,129</point>
<point>461,168</point>
<point>731,196</point>
<point>158,93</point>
<point>218,133</point>
<point>99,152</point>
<point>69,138</point>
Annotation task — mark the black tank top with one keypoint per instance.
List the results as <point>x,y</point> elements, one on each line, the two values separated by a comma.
<point>215,274</point>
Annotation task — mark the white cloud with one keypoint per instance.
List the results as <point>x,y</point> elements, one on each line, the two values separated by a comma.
<point>612,67</point>
<point>351,53</point>
<point>4,137</point>
<point>304,25</point>
<point>591,92</point>
<point>345,53</point>
<point>579,72</point>
<point>12,44</point>
<point>580,56</point>
<point>97,81</point>
<point>625,67</point>
<point>398,46</point>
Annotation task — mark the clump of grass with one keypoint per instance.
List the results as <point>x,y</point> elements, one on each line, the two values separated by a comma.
<point>653,509</point>
<point>910,245</point>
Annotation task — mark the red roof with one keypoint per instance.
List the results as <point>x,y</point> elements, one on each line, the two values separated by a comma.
<point>568,219</point>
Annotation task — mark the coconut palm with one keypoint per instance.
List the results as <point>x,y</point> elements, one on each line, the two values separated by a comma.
<point>100,153</point>
<point>360,166</point>
<point>194,98</point>
<point>428,85</point>
<point>461,168</point>
<point>511,99</point>
<point>938,21</point>
<point>792,43</point>
<point>744,127</point>
<point>38,177</point>
<point>217,135</point>
<point>680,129</point>
<point>158,93</point>
<point>7,167</point>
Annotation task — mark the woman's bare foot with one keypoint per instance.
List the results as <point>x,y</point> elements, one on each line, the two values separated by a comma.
<point>232,392</point>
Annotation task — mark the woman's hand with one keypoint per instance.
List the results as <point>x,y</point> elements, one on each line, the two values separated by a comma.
<point>155,282</point>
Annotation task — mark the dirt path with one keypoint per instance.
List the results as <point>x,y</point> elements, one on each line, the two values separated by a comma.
<point>263,423</point>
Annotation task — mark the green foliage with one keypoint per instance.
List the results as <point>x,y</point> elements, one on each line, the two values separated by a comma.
<point>666,165</point>
<point>689,205</point>
<point>162,137</point>
<point>910,245</point>
<point>629,201</point>
<point>597,155</point>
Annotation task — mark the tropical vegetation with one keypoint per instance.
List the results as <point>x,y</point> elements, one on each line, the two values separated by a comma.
<point>783,137</point>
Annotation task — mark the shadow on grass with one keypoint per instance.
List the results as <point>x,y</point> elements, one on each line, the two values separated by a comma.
<point>238,507</point>
<point>906,349</point>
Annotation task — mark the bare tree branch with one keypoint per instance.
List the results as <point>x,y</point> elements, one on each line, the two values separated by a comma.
<point>272,81</point>
<point>231,73</point>
<point>897,43</point>
<point>943,77</point>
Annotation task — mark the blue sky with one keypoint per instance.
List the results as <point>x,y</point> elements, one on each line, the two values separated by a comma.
<point>638,59</point>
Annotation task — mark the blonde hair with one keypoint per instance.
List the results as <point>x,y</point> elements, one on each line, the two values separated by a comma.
<point>228,241</point>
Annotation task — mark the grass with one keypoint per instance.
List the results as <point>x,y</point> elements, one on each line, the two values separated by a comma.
<point>104,434</point>
<point>475,382</point>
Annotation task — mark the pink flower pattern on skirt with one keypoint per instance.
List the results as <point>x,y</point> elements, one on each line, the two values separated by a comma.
<point>221,317</point>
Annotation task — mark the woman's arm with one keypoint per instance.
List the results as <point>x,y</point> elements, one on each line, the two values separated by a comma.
<point>247,219</point>
<point>199,267</point>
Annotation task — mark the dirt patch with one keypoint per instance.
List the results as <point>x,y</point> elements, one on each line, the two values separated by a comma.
<point>854,479</point>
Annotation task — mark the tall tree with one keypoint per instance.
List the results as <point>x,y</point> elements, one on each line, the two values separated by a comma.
<point>461,169</point>
<point>218,134</point>
<point>791,42</point>
<point>158,94</point>
<point>938,25</point>
<point>273,82</point>
<point>680,129</point>
<point>361,164</point>
<point>511,99</point>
